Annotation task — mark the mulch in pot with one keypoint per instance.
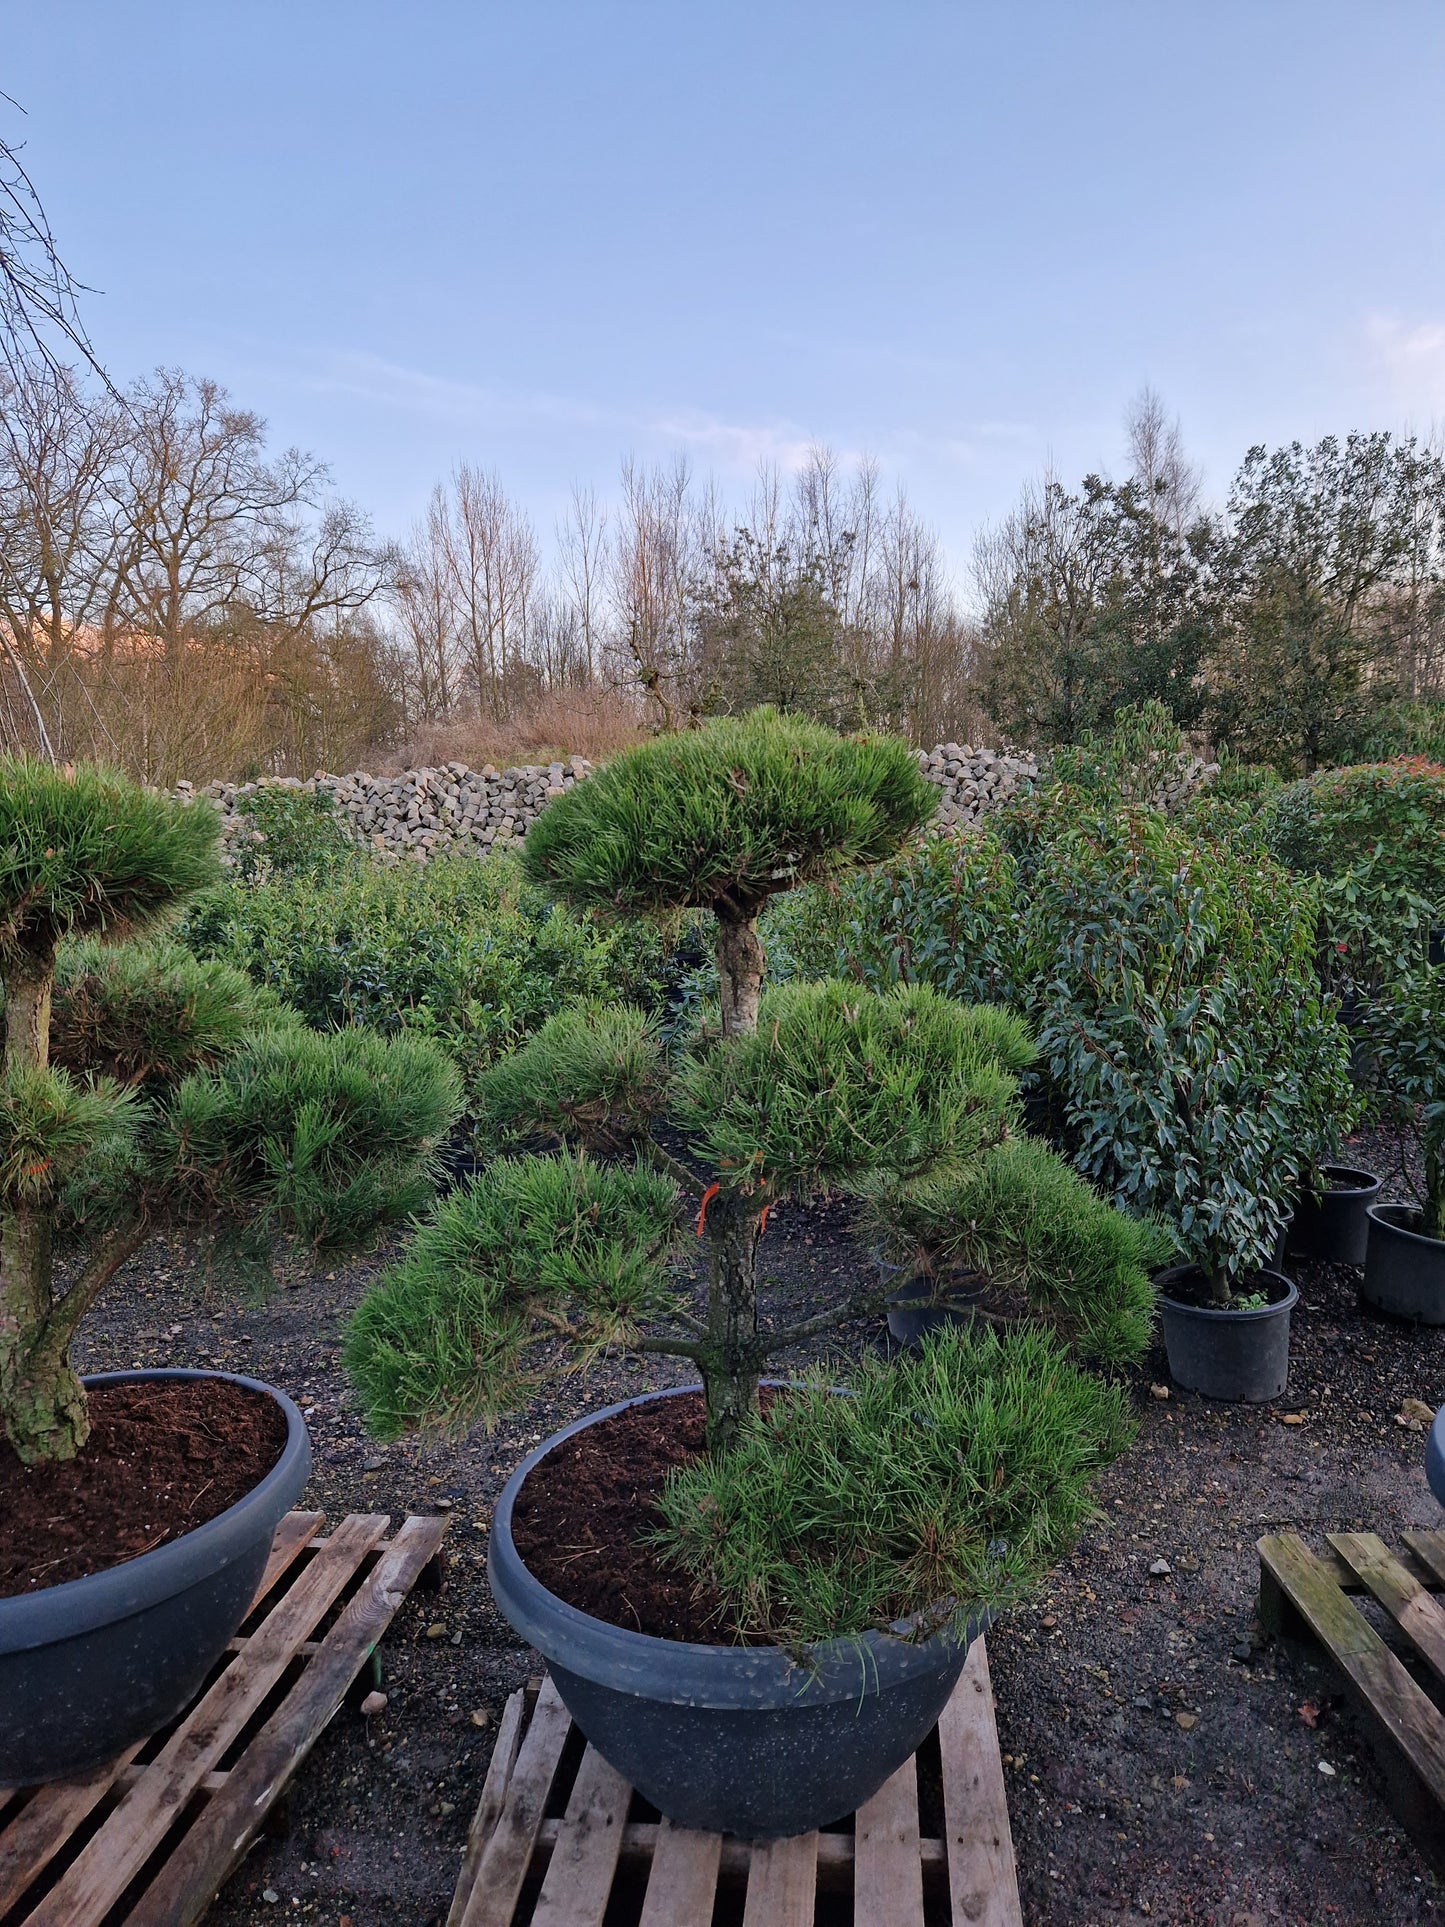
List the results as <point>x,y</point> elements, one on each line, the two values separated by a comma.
<point>583,1512</point>
<point>162,1459</point>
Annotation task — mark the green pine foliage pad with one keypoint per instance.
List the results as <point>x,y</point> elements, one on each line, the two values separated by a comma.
<point>532,1247</point>
<point>839,1082</point>
<point>736,812</point>
<point>594,1075</point>
<point>942,1482</point>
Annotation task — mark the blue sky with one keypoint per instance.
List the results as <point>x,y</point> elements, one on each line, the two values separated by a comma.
<point>542,235</point>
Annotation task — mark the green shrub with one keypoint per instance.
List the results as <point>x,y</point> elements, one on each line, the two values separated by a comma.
<point>942,1483</point>
<point>1389,817</point>
<point>532,1246</point>
<point>457,949</point>
<point>1021,1216</point>
<point>293,832</point>
<point>1403,1071</point>
<point>333,1134</point>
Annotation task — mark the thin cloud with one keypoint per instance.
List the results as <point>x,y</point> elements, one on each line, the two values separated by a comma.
<point>1412,359</point>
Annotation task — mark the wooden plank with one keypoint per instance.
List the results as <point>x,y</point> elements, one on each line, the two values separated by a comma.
<point>293,1535</point>
<point>504,1862</point>
<point>489,1807</point>
<point>579,1880</point>
<point>93,1882</point>
<point>887,1870</point>
<point>1407,1731</point>
<point>1429,1549</point>
<point>46,1822</point>
<point>682,1885</point>
<point>218,1839</point>
<point>1419,1616</point>
<point>835,1855</point>
<point>782,1882</point>
<point>982,1878</point>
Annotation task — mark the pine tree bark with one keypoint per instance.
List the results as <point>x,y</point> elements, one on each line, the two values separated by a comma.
<point>739,971</point>
<point>732,1356</point>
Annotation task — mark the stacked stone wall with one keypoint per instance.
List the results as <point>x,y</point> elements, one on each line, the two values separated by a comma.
<point>424,811</point>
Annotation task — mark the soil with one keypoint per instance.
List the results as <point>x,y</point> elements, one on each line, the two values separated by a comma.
<point>1191,1287</point>
<point>581,1518</point>
<point>1121,1809</point>
<point>161,1460</point>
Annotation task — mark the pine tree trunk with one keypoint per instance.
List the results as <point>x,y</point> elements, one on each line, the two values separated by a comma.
<point>41,1399</point>
<point>27,1014</point>
<point>732,1356</point>
<point>739,972</point>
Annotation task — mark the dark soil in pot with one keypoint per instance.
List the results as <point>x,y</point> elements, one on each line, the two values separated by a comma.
<point>581,1519</point>
<point>1335,1226</point>
<point>1231,1352</point>
<point>161,1460</point>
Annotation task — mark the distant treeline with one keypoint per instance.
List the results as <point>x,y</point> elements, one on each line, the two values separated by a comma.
<point>179,597</point>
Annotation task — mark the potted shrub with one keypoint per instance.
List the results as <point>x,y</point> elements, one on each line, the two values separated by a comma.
<point>175,1092</point>
<point>764,1594</point>
<point>1404,1069</point>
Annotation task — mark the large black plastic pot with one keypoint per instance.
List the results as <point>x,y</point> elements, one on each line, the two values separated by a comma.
<point>1335,1227</point>
<point>1227,1354</point>
<point>1435,1456</point>
<point>1404,1270</point>
<point>734,1739</point>
<point>89,1667</point>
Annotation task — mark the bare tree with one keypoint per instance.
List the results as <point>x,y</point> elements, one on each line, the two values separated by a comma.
<point>655,561</point>
<point>582,557</point>
<point>1169,480</point>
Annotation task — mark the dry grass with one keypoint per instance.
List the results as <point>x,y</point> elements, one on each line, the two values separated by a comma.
<point>595,723</point>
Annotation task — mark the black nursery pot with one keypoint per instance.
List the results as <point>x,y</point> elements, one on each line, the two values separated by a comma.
<point>732,1739</point>
<point>1335,1227</point>
<point>91,1666</point>
<point>1230,1354</point>
<point>1404,1270</point>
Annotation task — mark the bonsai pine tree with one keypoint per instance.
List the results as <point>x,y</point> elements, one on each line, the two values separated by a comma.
<point>808,1087</point>
<point>178,1090</point>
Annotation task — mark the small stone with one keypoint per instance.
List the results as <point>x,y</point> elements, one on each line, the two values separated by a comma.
<point>1326,1769</point>
<point>1048,1620</point>
<point>1159,1391</point>
<point>270,1896</point>
<point>1144,1703</point>
<point>442,1505</point>
<point>373,1704</point>
<point>1242,1649</point>
<point>438,1631</point>
<point>1186,1721</point>
<point>1291,1418</point>
<point>456,1639</point>
<point>481,1716</point>
<point>1160,1569</point>
<point>372,1465</point>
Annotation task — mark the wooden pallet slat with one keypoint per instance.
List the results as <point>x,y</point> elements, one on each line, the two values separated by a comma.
<point>982,1876</point>
<point>46,1822</point>
<point>782,1882</point>
<point>93,1883</point>
<point>1418,1615</point>
<point>503,1866</point>
<point>489,1808</point>
<point>218,1840</point>
<point>579,1876</point>
<point>887,1869</point>
<point>1405,1727</point>
<point>682,1885</point>
<point>1429,1549</point>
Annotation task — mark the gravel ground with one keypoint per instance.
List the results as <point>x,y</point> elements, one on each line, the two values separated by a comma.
<point>1162,1765</point>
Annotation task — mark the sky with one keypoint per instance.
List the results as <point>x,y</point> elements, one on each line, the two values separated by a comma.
<point>543,235</point>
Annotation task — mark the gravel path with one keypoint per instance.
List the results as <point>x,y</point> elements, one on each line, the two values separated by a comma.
<point>1158,1762</point>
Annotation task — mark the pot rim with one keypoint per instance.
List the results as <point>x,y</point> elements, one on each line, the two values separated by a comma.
<point>78,1606</point>
<point>1377,1215</point>
<point>1372,1182</point>
<point>1232,1314</point>
<point>685,1671</point>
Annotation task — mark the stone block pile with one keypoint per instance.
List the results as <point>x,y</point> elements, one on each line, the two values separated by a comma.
<point>424,811</point>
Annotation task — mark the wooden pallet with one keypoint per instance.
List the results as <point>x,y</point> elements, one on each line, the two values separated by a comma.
<point>150,1838</point>
<point>560,1839</point>
<point>1305,1592</point>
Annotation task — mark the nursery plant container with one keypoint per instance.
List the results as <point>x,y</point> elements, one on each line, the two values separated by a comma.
<point>735,1739</point>
<point>1404,1270</point>
<point>1335,1226</point>
<point>1435,1456</point>
<point>914,1311</point>
<point>91,1666</point>
<point>1227,1353</point>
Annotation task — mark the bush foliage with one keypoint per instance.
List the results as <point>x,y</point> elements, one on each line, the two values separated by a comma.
<point>942,1483</point>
